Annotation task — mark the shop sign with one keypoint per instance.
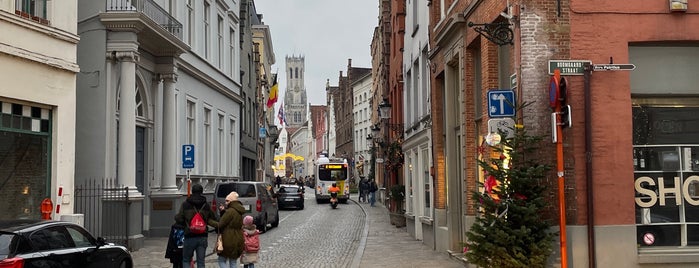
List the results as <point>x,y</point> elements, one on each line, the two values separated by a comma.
<point>680,191</point>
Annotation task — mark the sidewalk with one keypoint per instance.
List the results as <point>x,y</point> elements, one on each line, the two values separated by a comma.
<point>384,245</point>
<point>381,245</point>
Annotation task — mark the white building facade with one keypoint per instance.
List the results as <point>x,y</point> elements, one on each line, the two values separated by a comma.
<point>417,146</point>
<point>361,92</point>
<point>158,75</point>
<point>38,67</point>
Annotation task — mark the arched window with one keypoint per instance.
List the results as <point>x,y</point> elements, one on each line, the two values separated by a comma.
<point>297,72</point>
<point>291,72</point>
<point>139,102</point>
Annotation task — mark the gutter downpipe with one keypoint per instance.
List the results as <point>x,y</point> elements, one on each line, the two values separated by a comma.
<point>592,258</point>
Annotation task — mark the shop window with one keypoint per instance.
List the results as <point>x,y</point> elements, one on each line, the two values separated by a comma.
<point>666,171</point>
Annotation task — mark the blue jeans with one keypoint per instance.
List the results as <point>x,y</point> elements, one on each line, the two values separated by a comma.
<point>192,244</point>
<point>232,263</point>
<point>372,198</point>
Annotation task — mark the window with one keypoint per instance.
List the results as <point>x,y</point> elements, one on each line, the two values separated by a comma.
<point>79,237</point>
<point>231,140</point>
<point>220,42</point>
<point>190,22</point>
<point>427,181</point>
<point>51,238</point>
<point>666,163</point>
<point>34,9</point>
<point>207,140</point>
<point>191,127</point>
<point>242,114</point>
<point>207,28</point>
<point>221,143</point>
<point>231,49</point>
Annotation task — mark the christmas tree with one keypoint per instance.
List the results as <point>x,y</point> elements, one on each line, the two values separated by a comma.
<point>510,230</point>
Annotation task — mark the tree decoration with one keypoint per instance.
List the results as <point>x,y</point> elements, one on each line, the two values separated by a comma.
<point>394,156</point>
<point>510,230</point>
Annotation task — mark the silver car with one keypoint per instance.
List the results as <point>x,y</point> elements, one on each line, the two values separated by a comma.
<point>258,199</point>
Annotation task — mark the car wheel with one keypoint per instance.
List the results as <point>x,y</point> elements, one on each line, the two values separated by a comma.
<point>275,223</point>
<point>263,225</point>
<point>301,207</point>
<point>124,264</point>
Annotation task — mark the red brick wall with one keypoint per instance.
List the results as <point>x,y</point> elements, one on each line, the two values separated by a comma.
<point>600,30</point>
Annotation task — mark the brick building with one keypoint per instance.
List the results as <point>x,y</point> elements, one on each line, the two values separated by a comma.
<point>628,123</point>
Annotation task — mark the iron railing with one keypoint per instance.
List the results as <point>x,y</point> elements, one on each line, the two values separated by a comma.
<point>106,208</point>
<point>151,9</point>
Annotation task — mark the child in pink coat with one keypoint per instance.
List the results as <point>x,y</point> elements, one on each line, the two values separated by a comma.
<point>252,243</point>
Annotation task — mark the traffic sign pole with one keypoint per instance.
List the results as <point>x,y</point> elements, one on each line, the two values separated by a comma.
<point>560,168</point>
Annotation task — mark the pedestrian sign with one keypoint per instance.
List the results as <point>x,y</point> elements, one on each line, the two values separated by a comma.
<point>188,156</point>
<point>501,103</point>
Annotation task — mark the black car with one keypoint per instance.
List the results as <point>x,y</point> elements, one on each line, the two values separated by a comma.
<point>45,243</point>
<point>290,196</point>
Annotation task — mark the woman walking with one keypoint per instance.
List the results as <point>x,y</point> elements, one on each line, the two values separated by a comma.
<point>230,226</point>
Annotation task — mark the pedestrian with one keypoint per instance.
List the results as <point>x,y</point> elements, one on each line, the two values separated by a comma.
<point>175,242</point>
<point>372,192</point>
<point>194,213</point>
<point>363,190</point>
<point>278,181</point>
<point>230,227</point>
<point>252,243</point>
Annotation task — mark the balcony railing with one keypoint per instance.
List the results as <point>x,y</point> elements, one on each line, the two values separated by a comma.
<point>151,9</point>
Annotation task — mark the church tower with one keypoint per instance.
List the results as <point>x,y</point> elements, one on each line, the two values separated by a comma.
<point>295,100</point>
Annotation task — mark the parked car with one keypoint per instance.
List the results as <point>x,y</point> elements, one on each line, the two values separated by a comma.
<point>290,196</point>
<point>257,197</point>
<point>46,243</point>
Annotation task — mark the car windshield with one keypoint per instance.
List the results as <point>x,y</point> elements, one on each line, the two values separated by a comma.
<point>243,189</point>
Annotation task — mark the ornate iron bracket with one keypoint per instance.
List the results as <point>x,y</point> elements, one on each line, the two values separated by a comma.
<point>498,33</point>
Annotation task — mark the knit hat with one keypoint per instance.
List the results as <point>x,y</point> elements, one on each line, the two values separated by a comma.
<point>247,220</point>
<point>197,189</point>
<point>233,196</point>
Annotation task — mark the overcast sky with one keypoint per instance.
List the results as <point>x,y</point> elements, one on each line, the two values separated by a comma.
<point>325,32</point>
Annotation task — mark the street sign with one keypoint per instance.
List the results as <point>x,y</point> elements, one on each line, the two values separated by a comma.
<point>504,125</point>
<point>613,67</point>
<point>568,67</point>
<point>501,103</point>
<point>513,81</point>
<point>188,156</point>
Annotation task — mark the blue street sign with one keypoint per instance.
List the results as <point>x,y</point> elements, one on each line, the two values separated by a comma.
<point>501,103</point>
<point>188,156</point>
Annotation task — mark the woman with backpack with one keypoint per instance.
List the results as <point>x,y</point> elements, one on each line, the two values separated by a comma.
<point>229,227</point>
<point>252,243</point>
<point>195,214</point>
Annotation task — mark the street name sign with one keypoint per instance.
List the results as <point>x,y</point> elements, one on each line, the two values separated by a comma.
<point>188,156</point>
<point>501,103</point>
<point>613,67</point>
<point>568,67</point>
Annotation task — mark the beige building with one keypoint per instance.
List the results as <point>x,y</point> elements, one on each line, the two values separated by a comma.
<point>38,68</point>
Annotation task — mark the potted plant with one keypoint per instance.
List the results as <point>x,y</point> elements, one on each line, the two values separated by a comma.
<point>397,196</point>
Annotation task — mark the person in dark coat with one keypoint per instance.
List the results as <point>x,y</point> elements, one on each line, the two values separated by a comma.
<point>174,245</point>
<point>363,190</point>
<point>195,242</point>
<point>230,226</point>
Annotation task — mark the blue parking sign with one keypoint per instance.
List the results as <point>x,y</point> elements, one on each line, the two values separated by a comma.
<point>188,156</point>
<point>501,103</point>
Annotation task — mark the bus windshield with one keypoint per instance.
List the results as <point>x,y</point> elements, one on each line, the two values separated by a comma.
<point>332,172</point>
